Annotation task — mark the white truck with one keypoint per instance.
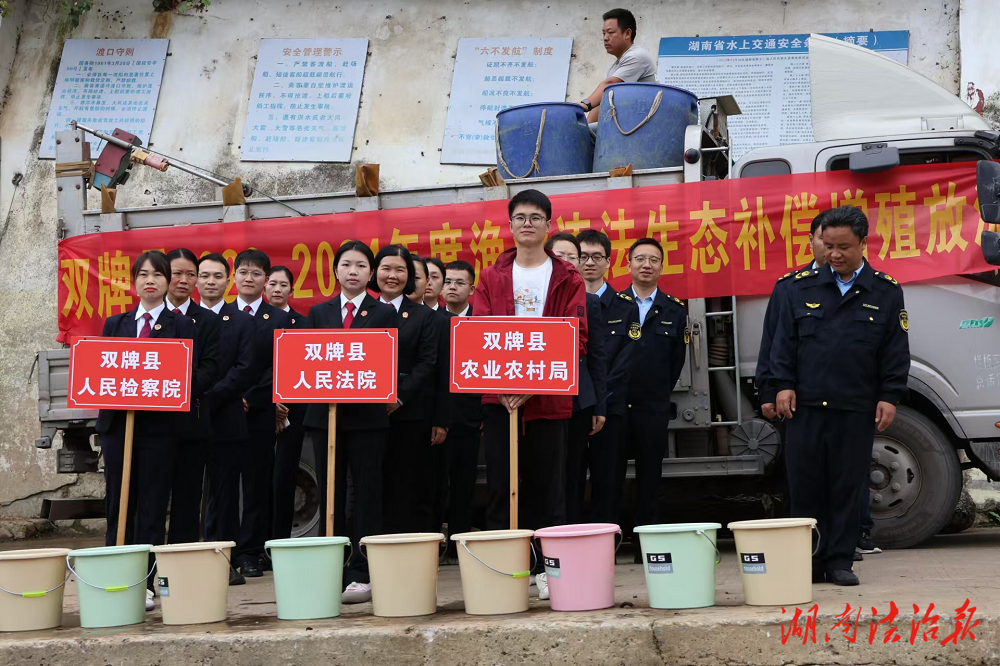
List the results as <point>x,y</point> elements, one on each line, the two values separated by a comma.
<point>717,439</point>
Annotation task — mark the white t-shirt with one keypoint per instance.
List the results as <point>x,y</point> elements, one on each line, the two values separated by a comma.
<point>531,285</point>
<point>635,65</point>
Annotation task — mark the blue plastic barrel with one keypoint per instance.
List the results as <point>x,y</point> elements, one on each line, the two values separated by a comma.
<point>543,139</point>
<point>643,124</point>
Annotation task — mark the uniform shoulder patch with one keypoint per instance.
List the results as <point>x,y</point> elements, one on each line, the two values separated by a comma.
<point>622,294</point>
<point>806,273</point>
<point>786,276</point>
<point>676,300</point>
<point>889,278</point>
<point>904,321</point>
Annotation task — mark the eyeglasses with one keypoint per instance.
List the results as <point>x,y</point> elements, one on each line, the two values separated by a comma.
<point>568,257</point>
<point>256,275</point>
<point>596,258</point>
<point>457,283</point>
<point>647,259</point>
<point>535,220</point>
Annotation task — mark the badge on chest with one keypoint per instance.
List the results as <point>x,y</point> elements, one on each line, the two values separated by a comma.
<point>634,330</point>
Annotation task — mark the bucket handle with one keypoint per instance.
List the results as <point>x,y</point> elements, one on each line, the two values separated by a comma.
<point>818,538</point>
<point>443,546</point>
<point>114,588</point>
<point>35,595</point>
<point>519,574</point>
<point>718,556</point>
<point>614,113</point>
<point>347,560</point>
<point>534,160</point>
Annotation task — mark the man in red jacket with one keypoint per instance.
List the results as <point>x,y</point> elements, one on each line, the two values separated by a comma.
<point>529,281</point>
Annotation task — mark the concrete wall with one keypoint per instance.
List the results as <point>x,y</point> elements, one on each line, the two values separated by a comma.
<point>404,101</point>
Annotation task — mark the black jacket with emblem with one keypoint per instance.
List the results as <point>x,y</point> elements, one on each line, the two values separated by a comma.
<point>618,311</point>
<point>657,349</point>
<point>763,376</point>
<point>842,352</point>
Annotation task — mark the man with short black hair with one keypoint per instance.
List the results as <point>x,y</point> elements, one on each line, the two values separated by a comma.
<point>229,438</point>
<point>657,348</point>
<point>256,463</point>
<point>632,63</point>
<point>459,286</point>
<point>530,281</point>
<point>840,361</point>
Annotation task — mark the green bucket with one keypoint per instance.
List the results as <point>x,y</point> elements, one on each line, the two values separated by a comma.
<point>308,576</point>
<point>679,562</point>
<point>111,584</point>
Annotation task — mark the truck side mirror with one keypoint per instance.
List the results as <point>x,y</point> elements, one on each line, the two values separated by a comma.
<point>988,188</point>
<point>873,157</point>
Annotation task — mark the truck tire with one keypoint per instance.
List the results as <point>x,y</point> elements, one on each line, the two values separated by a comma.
<point>915,481</point>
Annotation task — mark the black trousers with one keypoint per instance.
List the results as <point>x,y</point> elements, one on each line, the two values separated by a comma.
<point>647,431</point>
<point>408,484</point>
<point>222,510</point>
<point>256,474</point>
<point>463,459</point>
<point>153,460</point>
<point>608,464</point>
<point>186,491</point>
<point>287,453</point>
<point>542,462</point>
<point>827,456</point>
<point>363,453</point>
<point>576,464</point>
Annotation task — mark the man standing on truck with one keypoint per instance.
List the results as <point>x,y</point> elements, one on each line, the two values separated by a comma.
<point>840,359</point>
<point>632,63</point>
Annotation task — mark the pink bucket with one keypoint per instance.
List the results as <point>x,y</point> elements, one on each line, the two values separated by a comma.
<point>580,565</point>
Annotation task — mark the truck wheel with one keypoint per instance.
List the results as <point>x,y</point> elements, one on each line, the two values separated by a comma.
<point>915,481</point>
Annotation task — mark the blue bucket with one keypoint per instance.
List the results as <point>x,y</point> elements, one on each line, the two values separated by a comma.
<point>643,124</point>
<point>543,139</point>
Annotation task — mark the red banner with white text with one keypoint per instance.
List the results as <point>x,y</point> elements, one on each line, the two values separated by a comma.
<point>720,237</point>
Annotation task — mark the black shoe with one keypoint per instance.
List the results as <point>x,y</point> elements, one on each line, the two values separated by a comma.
<point>251,569</point>
<point>842,577</point>
<point>236,578</point>
<point>637,559</point>
<point>819,576</point>
<point>857,554</point>
<point>866,545</point>
<point>265,563</point>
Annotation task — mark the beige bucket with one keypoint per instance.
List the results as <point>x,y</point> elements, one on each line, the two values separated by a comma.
<point>404,572</point>
<point>31,588</point>
<point>194,581</point>
<point>495,569</point>
<point>775,559</point>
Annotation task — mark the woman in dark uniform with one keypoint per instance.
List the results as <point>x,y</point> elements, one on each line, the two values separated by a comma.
<point>409,496</point>
<point>157,434</point>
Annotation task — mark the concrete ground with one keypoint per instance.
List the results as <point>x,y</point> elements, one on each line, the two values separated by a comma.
<point>945,572</point>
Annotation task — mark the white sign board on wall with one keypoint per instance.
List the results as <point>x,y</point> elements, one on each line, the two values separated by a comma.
<point>495,74</point>
<point>980,66</point>
<point>106,84</point>
<point>304,101</point>
<point>767,74</point>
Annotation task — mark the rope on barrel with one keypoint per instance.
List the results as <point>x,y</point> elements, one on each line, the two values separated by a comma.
<point>652,112</point>
<point>534,160</point>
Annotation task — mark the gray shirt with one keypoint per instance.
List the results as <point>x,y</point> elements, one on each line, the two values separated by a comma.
<point>635,65</point>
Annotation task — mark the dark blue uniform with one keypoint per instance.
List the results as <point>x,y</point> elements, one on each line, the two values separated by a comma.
<point>607,454</point>
<point>763,376</point>
<point>657,349</point>
<point>592,400</point>
<point>842,355</point>
<point>362,434</point>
